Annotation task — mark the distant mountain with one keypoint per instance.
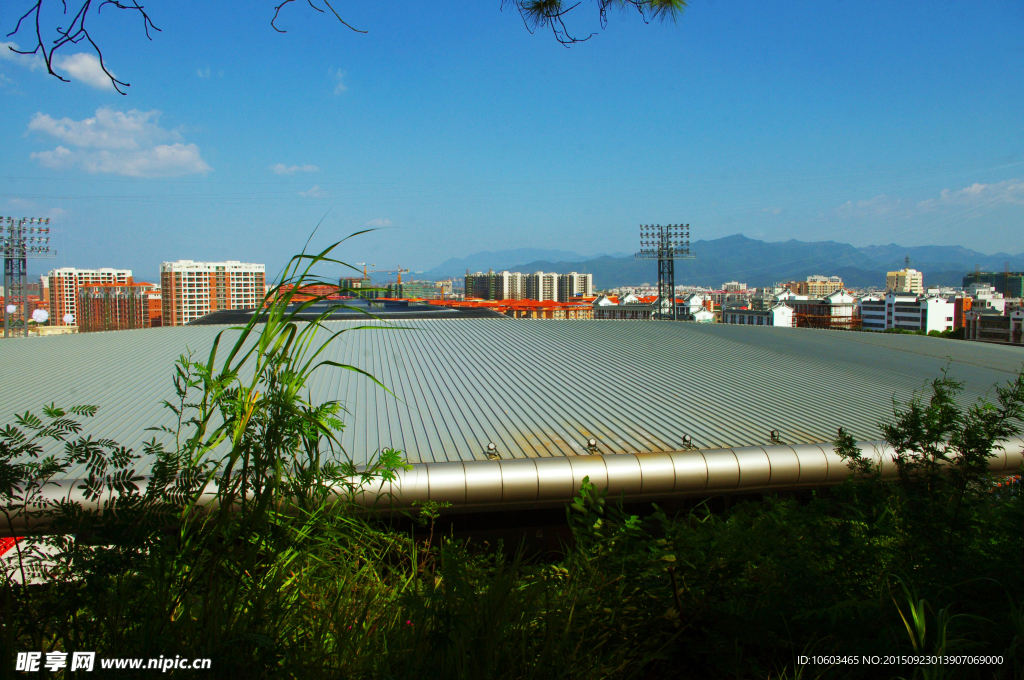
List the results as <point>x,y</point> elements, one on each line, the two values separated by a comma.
<point>760,263</point>
<point>941,257</point>
<point>502,259</point>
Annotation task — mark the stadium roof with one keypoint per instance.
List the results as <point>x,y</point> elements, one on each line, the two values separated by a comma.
<point>534,388</point>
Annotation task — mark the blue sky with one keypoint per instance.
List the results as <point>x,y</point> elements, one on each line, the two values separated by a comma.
<point>459,131</point>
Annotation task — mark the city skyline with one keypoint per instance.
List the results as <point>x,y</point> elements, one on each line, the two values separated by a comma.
<point>461,132</point>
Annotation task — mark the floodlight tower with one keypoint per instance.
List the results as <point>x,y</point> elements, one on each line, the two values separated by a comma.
<point>20,240</point>
<point>666,244</point>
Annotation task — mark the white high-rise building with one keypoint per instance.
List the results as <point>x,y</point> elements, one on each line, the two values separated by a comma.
<point>191,289</point>
<point>573,285</point>
<point>541,286</point>
<point>905,281</point>
<point>509,285</point>
<point>65,282</point>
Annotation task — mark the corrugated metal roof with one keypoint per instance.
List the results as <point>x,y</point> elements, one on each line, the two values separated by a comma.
<point>535,388</point>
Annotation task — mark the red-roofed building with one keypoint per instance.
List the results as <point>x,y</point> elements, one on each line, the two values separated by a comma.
<point>526,309</point>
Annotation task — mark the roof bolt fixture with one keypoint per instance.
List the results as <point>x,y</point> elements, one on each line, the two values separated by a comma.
<point>776,438</point>
<point>687,442</point>
<point>492,452</point>
<point>592,445</point>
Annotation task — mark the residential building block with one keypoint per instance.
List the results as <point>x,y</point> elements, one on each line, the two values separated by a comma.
<point>65,282</point>
<point>191,289</point>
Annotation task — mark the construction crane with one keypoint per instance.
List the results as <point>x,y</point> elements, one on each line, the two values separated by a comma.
<point>390,271</point>
<point>364,268</point>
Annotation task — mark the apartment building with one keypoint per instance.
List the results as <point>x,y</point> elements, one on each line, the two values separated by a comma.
<point>154,305</point>
<point>908,312</point>
<point>191,289</point>
<point>541,286</point>
<point>905,281</point>
<point>573,285</point>
<point>509,286</point>
<point>113,307</point>
<point>64,284</point>
<point>814,286</point>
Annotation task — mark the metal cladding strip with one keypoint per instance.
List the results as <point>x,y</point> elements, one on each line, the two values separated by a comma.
<point>657,473</point>
<point>539,481</point>
<point>519,480</point>
<point>723,470</point>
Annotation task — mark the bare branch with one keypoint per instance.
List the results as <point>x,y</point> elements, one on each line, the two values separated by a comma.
<point>551,13</point>
<point>534,13</point>
<point>76,32</point>
<point>277,12</point>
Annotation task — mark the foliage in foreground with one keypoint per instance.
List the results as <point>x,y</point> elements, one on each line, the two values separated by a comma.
<point>296,583</point>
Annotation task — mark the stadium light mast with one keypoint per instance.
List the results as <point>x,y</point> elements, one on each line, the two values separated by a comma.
<point>666,244</point>
<point>20,240</point>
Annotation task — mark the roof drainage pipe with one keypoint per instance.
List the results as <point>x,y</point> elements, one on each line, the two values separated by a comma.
<point>539,482</point>
<point>492,485</point>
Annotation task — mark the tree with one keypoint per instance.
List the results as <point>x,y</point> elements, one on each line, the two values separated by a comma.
<point>43,18</point>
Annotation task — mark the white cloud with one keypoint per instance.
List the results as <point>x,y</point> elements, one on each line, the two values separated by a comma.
<point>339,77</point>
<point>313,192</point>
<point>108,129</point>
<point>879,206</point>
<point>1010,191</point>
<point>81,66</point>
<point>5,81</point>
<point>379,222</point>
<point>119,143</point>
<point>203,72</point>
<point>33,62</point>
<point>282,169</point>
<point>85,68</point>
<point>772,211</point>
<point>977,195</point>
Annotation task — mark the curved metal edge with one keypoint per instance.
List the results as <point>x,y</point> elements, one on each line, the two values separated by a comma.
<point>723,470</point>
<point>483,482</point>
<point>657,473</point>
<point>554,479</point>
<point>519,480</point>
<point>755,468</point>
<point>446,482</point>
<point>813,464</point>
<point>625,476</point>
<point>589,466</point>
<point>693,471</point>
<point>486,484</point>
<point>784,465</point>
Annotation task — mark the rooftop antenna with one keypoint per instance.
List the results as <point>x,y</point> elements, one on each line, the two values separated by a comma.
<point>907,261</point>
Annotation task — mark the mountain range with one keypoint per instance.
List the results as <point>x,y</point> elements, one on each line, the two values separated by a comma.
<point>754,262</point>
